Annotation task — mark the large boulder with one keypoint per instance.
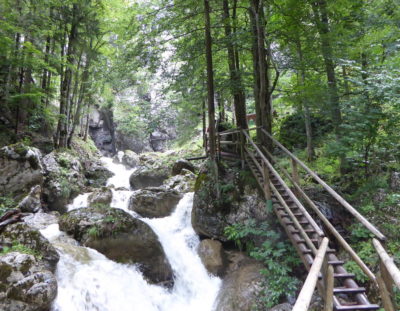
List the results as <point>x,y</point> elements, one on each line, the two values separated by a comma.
<point>27,237</point>
<point>212,256</point>
<point>20,170</point>
<point>102,196</point>
<point>64,179</point>
<point>180,165</point>
<point>130,159</point>
<point>145,177</point>
<point>120,237</point>
<point>25,285</point>
<point>241,286</point>
<point>182,183</point>
<point>154,202</point>
<point>96,174</point>
<point>31,203</point>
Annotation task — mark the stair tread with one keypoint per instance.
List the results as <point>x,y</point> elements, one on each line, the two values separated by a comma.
<point>357,307</point>
<point>335,262</point>
<point>347,290</point>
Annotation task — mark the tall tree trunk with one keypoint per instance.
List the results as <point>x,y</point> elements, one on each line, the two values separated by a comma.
<point>322,22</point>
<point>304,104</point>
<point>62,131</point>
<point>234,71</point>
<point>210,81</point>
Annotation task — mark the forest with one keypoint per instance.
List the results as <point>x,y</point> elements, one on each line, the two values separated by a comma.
<point>187,102</point>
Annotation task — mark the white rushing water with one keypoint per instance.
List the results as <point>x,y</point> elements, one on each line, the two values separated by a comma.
<point>88,281</point>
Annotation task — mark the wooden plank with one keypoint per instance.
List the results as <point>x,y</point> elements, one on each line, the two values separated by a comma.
<point>339,198</point>
<point>329,289</point>
<point>385,295</point>
<point>388,262</point>
<point>304,299</point>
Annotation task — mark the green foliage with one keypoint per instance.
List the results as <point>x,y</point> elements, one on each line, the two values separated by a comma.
<point>94,232</point>
<point>278,256</point>
<point>6,203</point>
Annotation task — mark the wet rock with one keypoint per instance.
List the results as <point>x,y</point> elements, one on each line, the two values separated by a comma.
<point>145,177</point>
<point>212,256</point>
<point>120,237</point>
<point>182,164</point>
<point>25,285</point>
<point>100,196</point>
<point>20,170</point>
<point>31,203</point>
<point>154,202</point>
<point>32,239</point>
<point>130,159</point>
<point>241,286</point>
<point>64,179</point>
<point>181,183</point>
<point>137,143</point>
<point>41,220</point>
<point>96,174</point>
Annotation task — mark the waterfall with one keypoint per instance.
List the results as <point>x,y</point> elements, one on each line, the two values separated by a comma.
<point>87,280</point>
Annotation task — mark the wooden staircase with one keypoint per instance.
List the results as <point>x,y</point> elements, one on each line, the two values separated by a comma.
<point>348,295</point>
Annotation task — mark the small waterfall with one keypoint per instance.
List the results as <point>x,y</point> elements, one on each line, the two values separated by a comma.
<point>89,281</point>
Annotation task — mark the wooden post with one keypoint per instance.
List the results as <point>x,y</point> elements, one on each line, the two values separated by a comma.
<point>267,186</point>
<point>295,172</point>
<point>242,142</point>
<point>385,295</point>
<point>329,283</point>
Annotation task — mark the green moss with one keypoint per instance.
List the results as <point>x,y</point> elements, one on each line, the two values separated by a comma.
<point>18,247</point>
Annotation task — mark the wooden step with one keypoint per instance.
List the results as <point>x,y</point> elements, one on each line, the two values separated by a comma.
<point>309,251</point>
<point>343,275</point>
<point>357,307</point>
<point>347,290</point>
<point>335,262</point>
<point>304,241</point>
<point>301,222</point>
<point>306,230</point>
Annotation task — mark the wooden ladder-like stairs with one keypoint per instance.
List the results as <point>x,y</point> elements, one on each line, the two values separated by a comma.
<point>348,295</point>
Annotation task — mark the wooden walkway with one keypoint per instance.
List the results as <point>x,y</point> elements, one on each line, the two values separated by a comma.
<point>337,286</point>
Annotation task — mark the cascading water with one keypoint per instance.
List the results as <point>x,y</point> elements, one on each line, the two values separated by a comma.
<point>89,281</point>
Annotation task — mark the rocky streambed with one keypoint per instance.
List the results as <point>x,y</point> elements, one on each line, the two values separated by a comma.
<point>126,242</point>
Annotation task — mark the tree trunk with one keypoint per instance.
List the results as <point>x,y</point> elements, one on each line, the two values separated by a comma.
<point>210,81</point>
<point>234,71</point>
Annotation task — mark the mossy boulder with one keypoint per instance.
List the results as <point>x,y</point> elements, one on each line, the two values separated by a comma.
<point>120,237</point>
<point>154,202</point>
<point>20,170</point>
<point>130,159</point>
<point>25,285</point>
<point>100,196</point>
<point>145,177</point>
<point>31,239</point>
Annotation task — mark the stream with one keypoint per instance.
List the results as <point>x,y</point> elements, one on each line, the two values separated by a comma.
<point>88,281</point>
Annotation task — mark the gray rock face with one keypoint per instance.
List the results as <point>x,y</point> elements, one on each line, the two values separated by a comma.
<point>145,177</point>
<point>20,169</point>
<point>25,285</point>
<point>241,285</point>
<point>130,159</point>
<point>395,181</point>
<point>136,143</point>
<point>182,164</point>
<point>64,179</point>
<point>158,140</point>
<point>96,174</point>
<point>31,238</point>
<point>31,203</point>
<point>101,129</point>
<point>212,256</point>
<point>120,237</point>
<point>100,196</point>
<point>182,183</point>
<point>154,202</point>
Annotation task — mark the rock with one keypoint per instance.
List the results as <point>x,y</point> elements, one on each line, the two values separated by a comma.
<point>395,181</point>
<point>135,142</point>
<point>181,183</point>
<point>283,307</point>
<point>31,238</point>
<point>147,177</point>
<point>154,202</point>
<point>182,164</point>
<point>101,129</point>
<point>212,256</point>
<point>64,179</point>
<point>158,141</point>
<point>31,203</point>
<point>120,237</point>
<point>100,196</point>
<point>20,170</point>
<point>130,159</point>
<point>25,285</point>
<point>96,174</point>
<point>241,286</point>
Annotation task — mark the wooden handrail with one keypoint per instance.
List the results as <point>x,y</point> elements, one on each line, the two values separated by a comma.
<point>292,196</point>
<point>387,262</point>
<point>339,198</point>
<point>233,131</point>
<point>326,222</point>
<point>304,299</point>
